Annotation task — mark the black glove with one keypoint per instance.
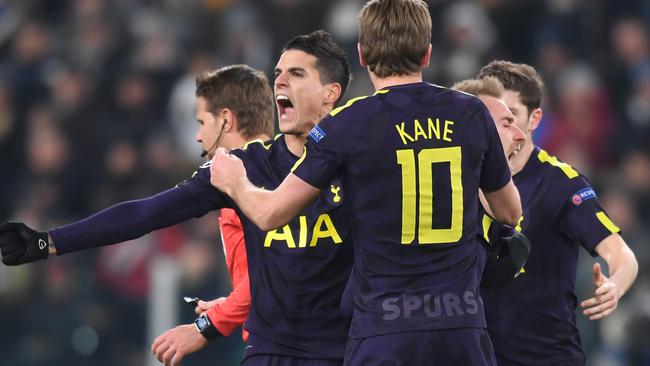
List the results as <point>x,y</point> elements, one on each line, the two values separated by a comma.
<point>20,244</point>
<point>505,260</point>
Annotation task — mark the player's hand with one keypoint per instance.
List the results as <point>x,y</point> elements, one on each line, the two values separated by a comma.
<point>226,171</point>
<point>19,244</point>
<point>204,306</point>
<point>605,298</point>
<point>176,343</point>
<point>506,259</point>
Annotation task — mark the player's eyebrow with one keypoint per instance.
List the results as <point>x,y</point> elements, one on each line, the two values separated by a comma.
<point>290,69</point>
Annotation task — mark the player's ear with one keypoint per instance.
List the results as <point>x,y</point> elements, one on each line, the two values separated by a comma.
<point>534,119</point>
<point>333,93</point>
<point>229,120</point>
<point>426,58</point>
<point>362,60</point>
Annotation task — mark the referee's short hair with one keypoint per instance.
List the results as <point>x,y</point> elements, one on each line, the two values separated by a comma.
<point>243,90</point>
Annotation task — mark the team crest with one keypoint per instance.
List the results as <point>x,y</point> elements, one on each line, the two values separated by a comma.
<point>336,193</point>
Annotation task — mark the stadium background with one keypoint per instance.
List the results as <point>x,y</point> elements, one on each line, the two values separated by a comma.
<point>97,106</point>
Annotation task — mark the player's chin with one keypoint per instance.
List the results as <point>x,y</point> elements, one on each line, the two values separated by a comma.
<point>287,127</point>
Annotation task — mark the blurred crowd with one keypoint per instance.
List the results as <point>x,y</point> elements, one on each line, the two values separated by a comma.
<point>97,106</point>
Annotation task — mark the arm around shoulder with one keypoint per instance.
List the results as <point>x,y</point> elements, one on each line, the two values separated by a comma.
<point>267,209</point>
<point>505,204</point>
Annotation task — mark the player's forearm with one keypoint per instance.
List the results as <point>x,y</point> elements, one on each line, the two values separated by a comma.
<point>623,268</point>
<point>261,206</point>
<point>125,221</point>
<point>505,204</point>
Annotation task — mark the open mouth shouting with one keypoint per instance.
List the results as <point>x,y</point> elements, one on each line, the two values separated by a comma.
<point>514,152</point>
<point>285,107</point>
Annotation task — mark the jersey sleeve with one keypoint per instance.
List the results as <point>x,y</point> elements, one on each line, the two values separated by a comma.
<point>495,172</point>
<point>580,215</point>
<point>199,186</point>
<point>326,148</point>
<point>233,310</point>
<point>133,219</point>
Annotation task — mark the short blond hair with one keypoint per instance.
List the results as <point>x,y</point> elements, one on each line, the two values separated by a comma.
<point>394,36</point>
<point>485,86</point>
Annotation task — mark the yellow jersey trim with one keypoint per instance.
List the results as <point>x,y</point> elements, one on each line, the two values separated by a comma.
<point>518,226</point>
<point>336,111</point>
<point>257,141</point>
<point>487,222</point>
<point>302,157</point>
<point>607,222</point>
<point>544,157</point>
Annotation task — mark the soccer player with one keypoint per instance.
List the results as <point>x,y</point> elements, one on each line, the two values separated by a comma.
<point>532,321</point>
<point>490,91</point>
<point>298,272</point>
<point>506,249</point>
<point>412,158</point>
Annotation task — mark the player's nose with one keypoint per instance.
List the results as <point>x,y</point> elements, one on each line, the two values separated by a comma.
<point>280,80</point>
<point>519,135</point>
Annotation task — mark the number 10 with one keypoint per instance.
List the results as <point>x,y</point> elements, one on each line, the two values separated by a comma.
<point>425,158</point>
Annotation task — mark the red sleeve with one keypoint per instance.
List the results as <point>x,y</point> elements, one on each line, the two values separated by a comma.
<point>233,311</point>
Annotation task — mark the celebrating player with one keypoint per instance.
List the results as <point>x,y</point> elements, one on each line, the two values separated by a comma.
<point>412,158</point>
<point>507,249</point>
<point>532,321</point>
<point>297,273</point>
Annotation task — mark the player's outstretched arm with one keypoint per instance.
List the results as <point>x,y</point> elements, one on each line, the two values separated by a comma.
<point>20,244</point>
<point>125,221</point>
<point>267,209</point>
<point>623,269</point>
<point>505,204</point>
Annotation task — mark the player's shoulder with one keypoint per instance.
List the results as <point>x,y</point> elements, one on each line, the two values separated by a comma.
<point>560,178</point>
<point>554,168</point>
<point>260,145</point>
<point>457,95</point>
<point>361,104</point>
<point>257,149</point>
<point>452,97</point>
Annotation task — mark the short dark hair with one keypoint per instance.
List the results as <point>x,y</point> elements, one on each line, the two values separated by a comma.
<point>243,90</point>
<point>331,62</point>
<point>521,78</point>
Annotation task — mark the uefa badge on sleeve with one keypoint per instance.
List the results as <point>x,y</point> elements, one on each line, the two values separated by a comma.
<point>317,134</point>
<point>583,195</point>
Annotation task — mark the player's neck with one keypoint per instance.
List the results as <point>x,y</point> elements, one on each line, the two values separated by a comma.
<point>381,83</point>
<point>521,159</point>
<point>239,140</point>
<point>295,144</point>
<point>261,136</point>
